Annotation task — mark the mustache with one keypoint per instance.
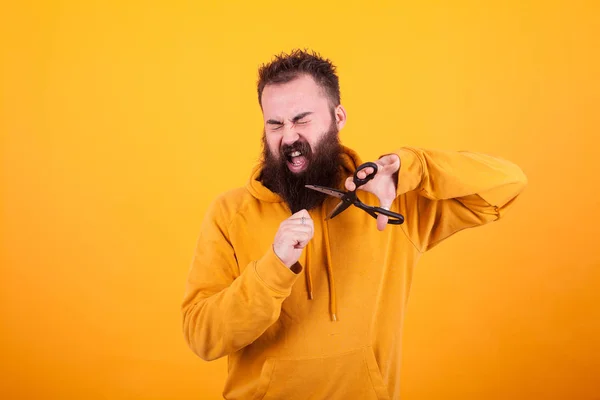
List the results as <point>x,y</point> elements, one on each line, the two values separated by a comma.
<point>323,170</point>
<point>299,145</point>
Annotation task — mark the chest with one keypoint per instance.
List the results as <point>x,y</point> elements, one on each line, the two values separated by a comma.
<point>350,242</point>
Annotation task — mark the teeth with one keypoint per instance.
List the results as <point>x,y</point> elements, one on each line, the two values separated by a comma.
<point>296,154</point>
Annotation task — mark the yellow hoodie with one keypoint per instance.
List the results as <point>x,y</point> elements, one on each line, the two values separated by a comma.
<point>241,301</point>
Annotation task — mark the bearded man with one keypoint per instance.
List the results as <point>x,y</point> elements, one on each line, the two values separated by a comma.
<point>307,307</point>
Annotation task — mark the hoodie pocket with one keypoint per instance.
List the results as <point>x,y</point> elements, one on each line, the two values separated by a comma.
<point>350,375</point>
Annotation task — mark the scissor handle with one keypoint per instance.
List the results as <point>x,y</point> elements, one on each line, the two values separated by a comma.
<point>359,182</point>
<point>393,218</point>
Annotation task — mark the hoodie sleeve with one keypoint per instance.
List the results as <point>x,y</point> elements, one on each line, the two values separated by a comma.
<point>225,310</point>
<point>443,192</point>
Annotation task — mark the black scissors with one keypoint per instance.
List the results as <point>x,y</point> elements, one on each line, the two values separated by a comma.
<point>350,198</point>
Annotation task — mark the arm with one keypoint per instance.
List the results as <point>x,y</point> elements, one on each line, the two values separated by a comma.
<point>225,310</point>
<point>444,192</point>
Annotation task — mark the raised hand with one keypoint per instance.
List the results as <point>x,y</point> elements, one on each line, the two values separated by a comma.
<point>292,236</point>
<point>383,185</point>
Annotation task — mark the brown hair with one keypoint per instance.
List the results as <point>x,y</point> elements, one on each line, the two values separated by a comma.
<point>286,67</point>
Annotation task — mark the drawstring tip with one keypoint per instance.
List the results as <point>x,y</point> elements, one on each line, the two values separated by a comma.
<point>334,317</point>
<point>310,295</point>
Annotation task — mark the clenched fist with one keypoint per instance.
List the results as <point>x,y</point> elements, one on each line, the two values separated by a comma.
<point>293,236</point>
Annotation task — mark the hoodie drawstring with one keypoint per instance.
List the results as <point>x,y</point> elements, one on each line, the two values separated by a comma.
<point>332,297</point>
<point>309,284</point>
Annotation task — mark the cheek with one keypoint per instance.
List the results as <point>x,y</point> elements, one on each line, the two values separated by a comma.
<point>274,143</point>
<point>313,136</point>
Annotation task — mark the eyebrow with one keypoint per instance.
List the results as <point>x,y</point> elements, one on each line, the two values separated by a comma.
<point>295,119</point>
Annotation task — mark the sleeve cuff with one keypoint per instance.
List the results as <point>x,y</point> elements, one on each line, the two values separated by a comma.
<point>274,274</point>
<point>411,171</point>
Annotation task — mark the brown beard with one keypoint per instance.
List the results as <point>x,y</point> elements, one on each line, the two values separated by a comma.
<point>323,169</point>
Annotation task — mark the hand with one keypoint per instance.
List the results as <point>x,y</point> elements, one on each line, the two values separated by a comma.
<point>383,185</point>
<point>293,236</point>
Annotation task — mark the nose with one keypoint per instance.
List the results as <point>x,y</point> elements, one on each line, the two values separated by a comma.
<point>289,136</point>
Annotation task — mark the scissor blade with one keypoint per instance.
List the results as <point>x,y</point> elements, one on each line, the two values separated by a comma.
<point>339,208</point>
<point>332,192</point>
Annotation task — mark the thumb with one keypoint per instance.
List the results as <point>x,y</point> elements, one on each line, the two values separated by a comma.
<point>390,162</point>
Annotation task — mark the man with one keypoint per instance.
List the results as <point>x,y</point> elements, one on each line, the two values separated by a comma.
<point>312,308</point>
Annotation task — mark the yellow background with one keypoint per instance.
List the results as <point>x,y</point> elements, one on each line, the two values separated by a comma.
<point>121,121</point>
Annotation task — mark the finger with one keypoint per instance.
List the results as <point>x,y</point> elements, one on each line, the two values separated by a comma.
<point>307,221</point>
<point>295,236</point>
<point>298,220</point>
<point>300,214</point>
<point>362,174</point>
<point>350,184</point>
<point>292,229</point>
<point>299,229</point>
<point>300,245</point>
<point>291,238</point>
<point>297,226</point>
<point>301,241</point>
<point>382,220</point>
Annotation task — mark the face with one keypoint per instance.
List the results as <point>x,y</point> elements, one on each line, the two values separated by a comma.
<point>296,112</point>
<point>301,143</point>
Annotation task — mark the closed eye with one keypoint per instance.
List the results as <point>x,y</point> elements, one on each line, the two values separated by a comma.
<point>300,117</point>
<point>297,120</point>
<point>274,124</point>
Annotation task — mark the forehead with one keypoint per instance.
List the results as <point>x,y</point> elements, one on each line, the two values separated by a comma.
<point>299,95</point>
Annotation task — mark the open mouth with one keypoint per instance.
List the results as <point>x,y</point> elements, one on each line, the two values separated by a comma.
<point>296,161</point>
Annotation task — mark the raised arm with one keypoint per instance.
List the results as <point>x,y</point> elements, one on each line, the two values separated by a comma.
<point>442,192</point>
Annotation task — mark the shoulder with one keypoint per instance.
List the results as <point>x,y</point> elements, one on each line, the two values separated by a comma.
<point>228,205</point>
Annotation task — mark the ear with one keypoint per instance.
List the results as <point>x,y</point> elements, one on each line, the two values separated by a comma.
<point>340,116</point>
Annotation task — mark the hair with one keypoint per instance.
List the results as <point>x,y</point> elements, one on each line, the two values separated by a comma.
<point>287,67</point>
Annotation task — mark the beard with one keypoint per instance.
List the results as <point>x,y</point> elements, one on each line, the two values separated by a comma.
<point>322,169</point>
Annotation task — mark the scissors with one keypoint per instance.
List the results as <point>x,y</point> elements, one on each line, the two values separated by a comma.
<point>350,198</point>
